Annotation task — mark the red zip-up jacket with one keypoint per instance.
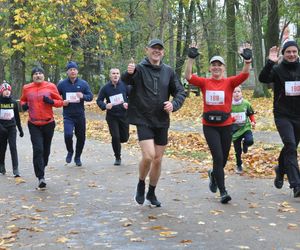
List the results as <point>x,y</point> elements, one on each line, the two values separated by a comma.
<point>40,113</point>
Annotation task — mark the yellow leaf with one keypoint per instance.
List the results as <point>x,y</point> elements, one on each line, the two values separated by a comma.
<point>62,239</point>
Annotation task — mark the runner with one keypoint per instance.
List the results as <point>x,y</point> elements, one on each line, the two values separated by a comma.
<point>217,99</point>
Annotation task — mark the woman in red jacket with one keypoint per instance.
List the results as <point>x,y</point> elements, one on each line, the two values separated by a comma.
<point>217,98</point>
<point>38,98</point>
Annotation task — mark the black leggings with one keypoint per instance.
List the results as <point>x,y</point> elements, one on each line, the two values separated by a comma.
<point>219,142</point>
<point>41,138</point>
<point>289,131</point>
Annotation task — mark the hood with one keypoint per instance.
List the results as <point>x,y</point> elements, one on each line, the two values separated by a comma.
<point>147,63</point>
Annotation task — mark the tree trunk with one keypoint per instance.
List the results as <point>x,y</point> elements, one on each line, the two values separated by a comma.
<point>163,17</point>
<point>260,90</point>
<point>171,38</point>
<point>272,31</point>
<point>208,19</point>
<point>231,38</point>
<point>179,37</point>
<point>188,39</point>
<point>17,64</point>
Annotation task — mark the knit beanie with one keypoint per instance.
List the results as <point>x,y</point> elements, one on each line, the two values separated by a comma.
<point>71,65</point>
<point>37,69</point>
<point>289,44</point>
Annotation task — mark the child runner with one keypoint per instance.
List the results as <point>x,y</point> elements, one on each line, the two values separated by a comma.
<point>243,116</point>
<point>9,119</point>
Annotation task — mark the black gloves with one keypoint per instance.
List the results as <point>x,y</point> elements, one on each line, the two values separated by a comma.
<point>193,52</point>
<point>247,54</point>
<point>21,133</point>
<point>25,107</point>
<point>46,99</point>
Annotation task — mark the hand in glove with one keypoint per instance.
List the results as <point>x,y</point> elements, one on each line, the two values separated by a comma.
<point>193,52</point>
<point>21,133</point>
<point>25,107</point>
<point>46,99</point>
<point>247,54</point>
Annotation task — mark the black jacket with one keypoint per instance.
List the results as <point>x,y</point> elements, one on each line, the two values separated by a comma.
<point>10,104</point>
<point>110,90</point>
<point>152,85</point>
<point>283,105</point>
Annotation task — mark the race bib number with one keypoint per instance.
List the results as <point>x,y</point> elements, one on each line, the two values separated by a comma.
<point>116,99</point>
<point>292,88</point>
<point>6,114</point>
<point>214,97</point>
<point>72,97</point>
<point>239,117</point>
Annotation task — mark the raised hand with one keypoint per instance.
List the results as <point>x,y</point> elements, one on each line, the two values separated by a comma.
<point>273,54</point>
<point>193,51</point>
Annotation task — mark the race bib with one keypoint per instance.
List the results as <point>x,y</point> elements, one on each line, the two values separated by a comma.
<point>240,117</point>
<point>6,114</point>
<point>116,99</point>
<point>214,97</point>
<point>292,88</point>
<point>72,97</point>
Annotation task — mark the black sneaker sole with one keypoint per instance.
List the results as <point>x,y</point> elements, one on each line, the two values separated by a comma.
<point>225,199</point>
<point>149,203</point>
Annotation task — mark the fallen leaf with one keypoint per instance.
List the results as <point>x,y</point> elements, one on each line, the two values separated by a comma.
<point>138,239</point>
<point>62,239</point>
<point>186,241</point>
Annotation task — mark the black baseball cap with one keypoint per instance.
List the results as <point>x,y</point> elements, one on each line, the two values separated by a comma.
<point>154,42</point>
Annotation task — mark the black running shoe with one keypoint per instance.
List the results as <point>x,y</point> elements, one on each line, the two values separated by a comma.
<point>225,197</point>
<point>69,157</point>
<point>78,162</point>
<point>296,192</point>
<point>117,162</point>
<point>140,194</point>
<point>212,182</point>
<point>42,183</point>
<point>239,169</point>
<point>151,200</point>
<point>279,179</point>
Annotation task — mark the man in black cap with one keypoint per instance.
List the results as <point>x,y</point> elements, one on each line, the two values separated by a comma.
<point>149,107</point>
<point>75,92</point>
<point>285,77</point>
<point>39,97</point>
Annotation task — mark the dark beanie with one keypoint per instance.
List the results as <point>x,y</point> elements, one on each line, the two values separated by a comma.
<point>71,65</point>
<point>289,44</point>
<point>37,69</point>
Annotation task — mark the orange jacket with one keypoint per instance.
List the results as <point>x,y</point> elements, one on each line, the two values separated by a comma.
<point>40,113</point>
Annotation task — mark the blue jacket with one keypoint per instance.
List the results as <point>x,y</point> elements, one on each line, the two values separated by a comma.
<point>109,90</point>
<point>79,85</point>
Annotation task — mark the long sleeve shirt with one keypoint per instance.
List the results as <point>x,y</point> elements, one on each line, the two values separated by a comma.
<point>67,90</point>
<point>40,112</point>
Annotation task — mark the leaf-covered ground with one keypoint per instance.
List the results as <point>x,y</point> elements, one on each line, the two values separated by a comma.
<point>191,147</point>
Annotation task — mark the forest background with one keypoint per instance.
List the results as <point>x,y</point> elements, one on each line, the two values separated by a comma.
<point>100,34</point>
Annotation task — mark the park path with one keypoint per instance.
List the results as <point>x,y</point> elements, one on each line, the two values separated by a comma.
<point>92,207</point>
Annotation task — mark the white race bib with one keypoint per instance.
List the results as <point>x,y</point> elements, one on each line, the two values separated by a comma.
<point>240,117</point>
<point>72,97</point>
<point>292,88</point>
<point>6,114</point>
<point>116,99</point>
<point>214,97</point>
